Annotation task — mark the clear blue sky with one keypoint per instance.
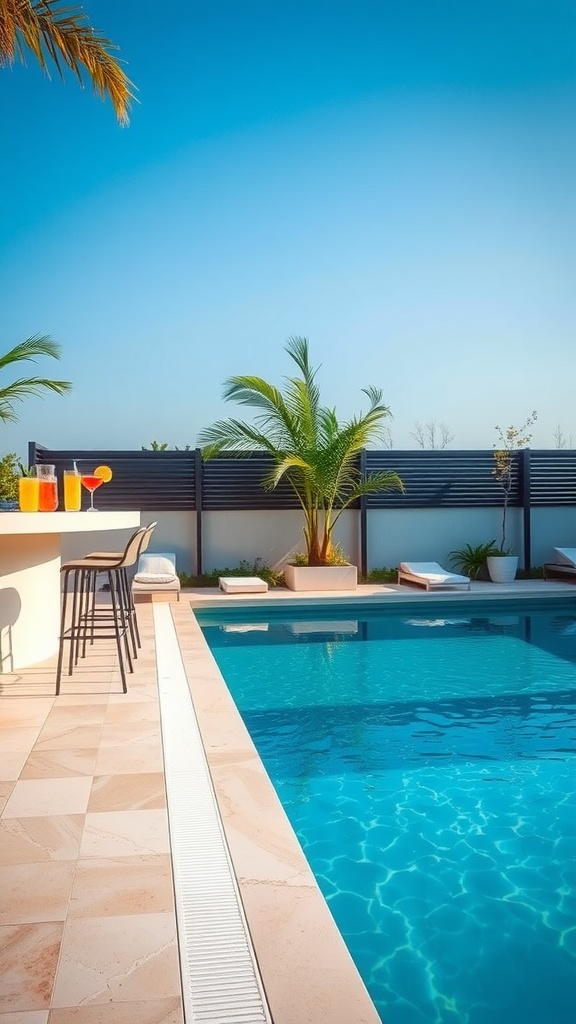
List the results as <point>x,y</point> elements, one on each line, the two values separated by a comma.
<point>394,179</point>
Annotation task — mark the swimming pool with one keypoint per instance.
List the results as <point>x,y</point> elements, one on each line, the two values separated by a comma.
<point>426,760</point>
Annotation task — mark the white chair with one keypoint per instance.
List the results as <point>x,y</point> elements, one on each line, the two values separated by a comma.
<point>430,575</point>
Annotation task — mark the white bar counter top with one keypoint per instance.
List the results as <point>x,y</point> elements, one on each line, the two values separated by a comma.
<point>30,559</point>
<point>17,523</point>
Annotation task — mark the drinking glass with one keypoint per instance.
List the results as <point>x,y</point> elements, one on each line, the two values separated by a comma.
<point>91,482</point>
<point>72,491</point>
<point>29,493</point>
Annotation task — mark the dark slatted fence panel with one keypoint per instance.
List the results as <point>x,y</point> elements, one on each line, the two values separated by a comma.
<point>150,481</point>
<point>553,477</point>
<point>236,484</point>
<point>441,479</point>
<point>165,481</point>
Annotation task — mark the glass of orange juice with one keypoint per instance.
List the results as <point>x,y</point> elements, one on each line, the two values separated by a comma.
<point>72,490</point>
<point>28,493</point>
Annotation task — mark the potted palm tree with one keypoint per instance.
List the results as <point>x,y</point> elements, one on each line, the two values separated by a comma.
<point>502,564</point>
<point>312,450</point>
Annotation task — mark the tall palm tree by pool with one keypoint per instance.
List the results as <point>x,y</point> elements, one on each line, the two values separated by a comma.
<point>310,448</point>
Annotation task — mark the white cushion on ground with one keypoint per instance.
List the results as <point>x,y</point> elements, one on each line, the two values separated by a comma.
<point>242,584</point>
<point>565,556</point>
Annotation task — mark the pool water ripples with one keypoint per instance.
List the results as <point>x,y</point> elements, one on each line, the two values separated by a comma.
<point>440,823</point>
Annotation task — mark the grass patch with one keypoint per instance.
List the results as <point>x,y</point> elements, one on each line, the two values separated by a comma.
<point>536,573</point>
<point>381,576</point>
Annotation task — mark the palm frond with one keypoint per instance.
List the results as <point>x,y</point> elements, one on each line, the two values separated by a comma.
<point>64,35</point>
<point>234,437</point>
<point>37,346</point>
<point>24,388</point>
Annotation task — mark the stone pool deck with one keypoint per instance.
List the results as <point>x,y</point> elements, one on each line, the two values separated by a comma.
<point>90,929</point>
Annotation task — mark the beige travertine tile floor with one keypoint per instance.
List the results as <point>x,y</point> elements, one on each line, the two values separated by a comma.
<point>87,924</point>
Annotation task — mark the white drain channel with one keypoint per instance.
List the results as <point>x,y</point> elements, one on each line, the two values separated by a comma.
<point>220,979</point>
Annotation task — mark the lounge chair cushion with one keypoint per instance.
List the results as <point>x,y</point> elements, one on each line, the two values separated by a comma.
<point>433,572</point>
<point>156,568</point>
<point>565,556</point>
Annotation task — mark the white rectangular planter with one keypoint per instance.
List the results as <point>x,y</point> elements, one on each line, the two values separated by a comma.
<point>321,577</point>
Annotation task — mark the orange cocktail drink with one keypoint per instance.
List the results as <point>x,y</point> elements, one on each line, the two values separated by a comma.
<point>48,487</point>
<point>72,491</point>
<point>47,495</point>
<point>28,493</point>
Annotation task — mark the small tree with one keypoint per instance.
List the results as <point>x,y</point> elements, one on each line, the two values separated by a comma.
<point>561,440</point>
<point>431,435</point>
<point>163,446</point>
<point>510,440</point>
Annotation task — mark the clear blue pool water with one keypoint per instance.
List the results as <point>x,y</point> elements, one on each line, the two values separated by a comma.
<point>427,761</point>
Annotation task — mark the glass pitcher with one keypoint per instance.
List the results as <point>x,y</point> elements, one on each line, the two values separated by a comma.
<point>47,487</point>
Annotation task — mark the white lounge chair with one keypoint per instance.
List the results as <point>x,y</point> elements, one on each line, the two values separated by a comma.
<point>563,567</point>
<point>430,575</point>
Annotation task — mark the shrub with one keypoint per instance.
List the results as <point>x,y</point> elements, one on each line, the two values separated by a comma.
<point>9,476</point>
<point>471,559</point>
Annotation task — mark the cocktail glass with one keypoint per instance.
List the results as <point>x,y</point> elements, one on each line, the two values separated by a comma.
<point>91,482</point>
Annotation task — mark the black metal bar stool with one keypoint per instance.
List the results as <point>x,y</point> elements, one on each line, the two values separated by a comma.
<point>112,557</point>
<point>84,620</point>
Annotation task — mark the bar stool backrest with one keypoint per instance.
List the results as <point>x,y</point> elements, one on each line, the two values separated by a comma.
<point>148,531</point>
<point>131,550</point>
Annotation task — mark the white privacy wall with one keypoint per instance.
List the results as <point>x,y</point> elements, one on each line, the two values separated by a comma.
<point>393,535</point>
<point>552,528</point>
<point>176,531</point>
<point>229,537</point>
<point>429,535</point>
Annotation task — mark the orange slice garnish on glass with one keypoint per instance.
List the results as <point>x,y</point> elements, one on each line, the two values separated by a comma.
<point>104,473</point>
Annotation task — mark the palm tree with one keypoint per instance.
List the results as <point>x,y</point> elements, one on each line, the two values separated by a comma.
<point>28,351</point>
<point>63,35</point>
<point>315,453</point>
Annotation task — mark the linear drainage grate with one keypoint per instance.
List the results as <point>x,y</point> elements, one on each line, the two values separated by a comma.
<point>220,980</point>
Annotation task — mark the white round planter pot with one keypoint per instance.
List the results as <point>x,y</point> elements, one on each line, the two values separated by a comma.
<point>502,568</point>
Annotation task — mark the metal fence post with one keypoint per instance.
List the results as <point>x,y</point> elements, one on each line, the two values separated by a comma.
<point>198,472</point>
<point>363,518</point>
<point>526,508</point>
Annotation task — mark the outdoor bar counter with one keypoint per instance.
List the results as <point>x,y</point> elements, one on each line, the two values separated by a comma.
<point>30,544</point>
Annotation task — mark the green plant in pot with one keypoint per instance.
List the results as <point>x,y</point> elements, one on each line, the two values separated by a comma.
<point>471,559</point>
<point>310,448</point>
<point>503,564</point>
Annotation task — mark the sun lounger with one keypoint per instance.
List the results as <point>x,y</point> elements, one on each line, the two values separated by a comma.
<point>430,575</point>
<point>563,567</point>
